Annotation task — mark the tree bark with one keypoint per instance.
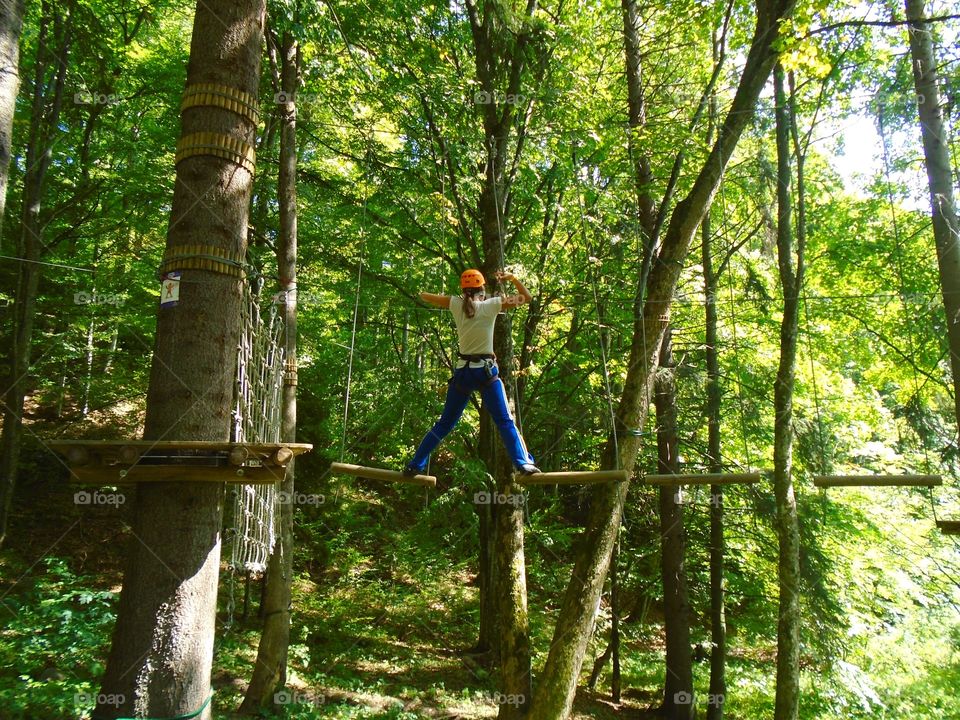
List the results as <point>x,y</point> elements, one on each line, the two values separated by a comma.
<point>500,70</point>
<point>788,532</point>
<point>557,685</point>
<point>678,682</point>
<point>46,103</point>
<point>615,624</point>
<point>11,23</point>
<point>936,153</point>
<point>718,629</point>
<point>162,649</point>
<point>717,693</point>
<point>636,121</point>
<point>270,668</point>
<point>486,639</point>
<point>511,600</point>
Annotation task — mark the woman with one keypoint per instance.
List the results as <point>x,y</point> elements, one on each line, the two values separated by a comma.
<point>475,315</point>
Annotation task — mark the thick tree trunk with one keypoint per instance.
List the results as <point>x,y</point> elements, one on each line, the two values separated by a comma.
<point>678,682</point>
<point>509,582</point>
<point>162,650</point>
<point>269,671</point>
<point>500,78</point>
<point>511,599</point>
<point>53,47</point>
<point>936,153</point>
<point>788,532</point>
<point>557,685</point>
<point>11,22</point>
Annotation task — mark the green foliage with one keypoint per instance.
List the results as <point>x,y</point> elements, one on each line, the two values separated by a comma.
<point>392,157</point>
<point>54,647</point>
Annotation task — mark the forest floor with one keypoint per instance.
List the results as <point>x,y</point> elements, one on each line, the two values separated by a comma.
<point>385,607</point>
<point>382,616</point>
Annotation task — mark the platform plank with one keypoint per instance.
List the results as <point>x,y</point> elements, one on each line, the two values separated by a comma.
<point>877,480</point>
<point>573,477</point>
<point>381,474</point>
<point>118,449</point>
<point>703,479</point>
<point>119,475</point>
<point>118,462</point>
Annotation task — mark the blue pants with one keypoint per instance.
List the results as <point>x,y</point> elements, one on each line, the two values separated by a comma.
<point>464,381</point>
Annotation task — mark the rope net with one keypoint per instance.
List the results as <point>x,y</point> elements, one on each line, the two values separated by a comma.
<point>256,419</point>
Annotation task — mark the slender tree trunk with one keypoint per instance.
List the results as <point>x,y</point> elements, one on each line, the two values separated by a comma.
<point>111,351</point>
<point>11,23</point>
<point>557,685</point>
<point>936,153</point>
<point>636,121</point>
<point>53,47</point>
<point>718,629</point>
<point>162,649</point>
<point>88,379</point>
<point>615,624</point>
<point>788,532</point>
<point>269,671</point>
<point>486,640</point>
<point>678,682</point>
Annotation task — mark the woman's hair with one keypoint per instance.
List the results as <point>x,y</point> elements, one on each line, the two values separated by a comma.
<point>468,294</point>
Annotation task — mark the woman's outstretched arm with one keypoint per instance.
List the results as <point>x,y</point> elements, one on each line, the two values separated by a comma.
<point>440,301</point>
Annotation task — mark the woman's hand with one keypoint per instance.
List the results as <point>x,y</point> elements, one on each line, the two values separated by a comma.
<point>512,301</point>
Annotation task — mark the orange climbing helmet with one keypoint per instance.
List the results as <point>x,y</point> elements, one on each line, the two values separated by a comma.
<point>471,279</point>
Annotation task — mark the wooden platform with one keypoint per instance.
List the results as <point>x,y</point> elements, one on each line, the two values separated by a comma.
<point>877,480</point>
<point>703,479</point>
<point>118,462</point>
<point>573,477</point>
<point>381,474</point>
<point>949,527</point>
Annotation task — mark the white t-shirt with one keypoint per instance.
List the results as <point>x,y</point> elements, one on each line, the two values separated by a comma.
<point>476,333</point>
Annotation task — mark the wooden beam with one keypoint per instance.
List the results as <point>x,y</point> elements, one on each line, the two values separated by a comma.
<point>380,474</point>
<point>876,480</point>
<point>116,446</point>
<point>573,478</point>
<point>703,479</point>
<point>949,527</point>
<point>119,462</point>
<point>119,475</point>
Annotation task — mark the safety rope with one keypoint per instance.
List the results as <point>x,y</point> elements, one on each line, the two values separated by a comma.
<point>603,350</point>
<point>606,374</point>
<point>188,716</point>
<point>898,265</point>
<point>824,467</point>
<point>356,307</point>
<point>735,340</point>
<point>353,343</point>
<point>491,155</point>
